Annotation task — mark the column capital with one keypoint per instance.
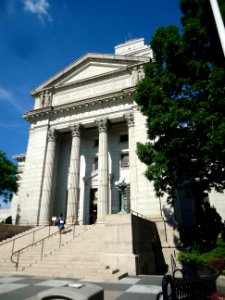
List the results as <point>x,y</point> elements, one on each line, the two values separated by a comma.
<point>52,134</point>
<point>102,124</point>
<point>76,129</point>
<point>130,119</point>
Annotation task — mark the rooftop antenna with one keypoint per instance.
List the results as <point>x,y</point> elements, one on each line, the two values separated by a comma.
<point>129,35</point>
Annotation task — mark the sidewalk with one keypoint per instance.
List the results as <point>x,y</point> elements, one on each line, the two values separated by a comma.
<point>144,287</point>
<point>129,288</point>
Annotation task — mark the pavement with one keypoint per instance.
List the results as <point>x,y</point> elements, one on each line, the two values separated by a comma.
<point>143,287</point>
<point>13,287</point>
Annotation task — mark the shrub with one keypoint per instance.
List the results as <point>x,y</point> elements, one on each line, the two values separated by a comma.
<point>215,257</point>
<point>217,263</point>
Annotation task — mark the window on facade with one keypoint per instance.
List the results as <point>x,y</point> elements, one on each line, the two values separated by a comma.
<point>124,138</point>
<point>96,142</point>
<point>125,160</point>
<point>95,165</point>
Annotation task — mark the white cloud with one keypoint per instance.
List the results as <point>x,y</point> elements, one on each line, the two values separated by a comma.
<point>7,96</point>
<point>4,94</point>
<point>38,7</point>
<point>10,126</point>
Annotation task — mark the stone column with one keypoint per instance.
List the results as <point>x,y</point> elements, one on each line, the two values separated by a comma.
<point>132,160</point>
<point>45,208</point>
<point>103,194</point>
<point>74,176</point>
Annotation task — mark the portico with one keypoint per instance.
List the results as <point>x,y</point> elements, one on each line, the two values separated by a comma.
<point>75,201</point>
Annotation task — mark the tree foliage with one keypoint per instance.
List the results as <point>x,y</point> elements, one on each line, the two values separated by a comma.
<point>8,177</point>
<point>183,98</point>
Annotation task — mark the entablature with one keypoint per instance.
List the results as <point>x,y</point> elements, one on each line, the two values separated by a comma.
<point>125,94</point>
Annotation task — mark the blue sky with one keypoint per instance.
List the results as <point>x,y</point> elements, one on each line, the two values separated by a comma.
<point>40,37</point>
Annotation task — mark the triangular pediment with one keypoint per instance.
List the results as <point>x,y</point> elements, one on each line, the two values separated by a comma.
<point>88,67</point>
<point>91,69</point>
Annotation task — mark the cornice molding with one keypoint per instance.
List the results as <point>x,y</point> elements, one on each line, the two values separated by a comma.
<point>33,115</point>
<point>20,157</point>
<point>53,82</point>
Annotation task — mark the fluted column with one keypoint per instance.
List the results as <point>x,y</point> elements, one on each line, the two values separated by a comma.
<point>44,216</point>
<point>132,160</point>
<point>103,182</point>
<point>74,175</point>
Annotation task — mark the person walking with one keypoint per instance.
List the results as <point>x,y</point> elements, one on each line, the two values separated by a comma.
<point>60,223</point>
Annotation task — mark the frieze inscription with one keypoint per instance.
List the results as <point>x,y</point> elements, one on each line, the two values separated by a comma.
<point>89,91</point>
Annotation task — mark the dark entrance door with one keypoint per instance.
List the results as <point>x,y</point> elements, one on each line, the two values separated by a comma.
<point>93,205</point>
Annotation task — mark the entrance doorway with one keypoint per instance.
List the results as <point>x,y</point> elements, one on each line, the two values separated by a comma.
<point>93,205</point>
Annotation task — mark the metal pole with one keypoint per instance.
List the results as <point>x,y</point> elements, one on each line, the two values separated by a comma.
<point>33,237</point>
<point>122,210</point>
<point>219,23</point>
<point>122,186</point>
<point>42,249</point>
<point>60,239</point>
<point>73,230</point>
<point>13,246</point>
<point>165,230</point>
<point>17,263</point>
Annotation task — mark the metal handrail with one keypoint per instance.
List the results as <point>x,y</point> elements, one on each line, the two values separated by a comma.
<point>42,241</point>
<point>13,240</point>
<point>28,246</point>
<point>138,214</point>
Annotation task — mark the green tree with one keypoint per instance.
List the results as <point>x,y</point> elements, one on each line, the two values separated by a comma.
<point>8,177</point>
<point>183,98</point>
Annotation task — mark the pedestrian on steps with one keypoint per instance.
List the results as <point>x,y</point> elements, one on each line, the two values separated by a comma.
<point>60,223</point>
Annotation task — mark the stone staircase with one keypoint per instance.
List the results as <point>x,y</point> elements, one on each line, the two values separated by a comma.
<point>71,255</point>
<point>19,241</point>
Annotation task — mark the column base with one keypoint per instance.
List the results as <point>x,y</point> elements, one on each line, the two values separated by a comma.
<point>100,221</point>
<point>71,220</point>
<point>122,212</point>
<point>44,223</point>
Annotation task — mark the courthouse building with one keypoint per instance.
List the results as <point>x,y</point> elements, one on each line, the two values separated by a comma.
<point>82,140</point>
<point>84,129</point>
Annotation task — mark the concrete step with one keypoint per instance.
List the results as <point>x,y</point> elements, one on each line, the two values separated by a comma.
<point>91,258</point>
<point>77,258</point>
<point>66,268</point>
<point>100,272</point>
<point>108,276</point>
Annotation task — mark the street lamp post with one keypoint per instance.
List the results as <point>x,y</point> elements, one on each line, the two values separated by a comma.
<point>219,23</point>
<point>122,185</point>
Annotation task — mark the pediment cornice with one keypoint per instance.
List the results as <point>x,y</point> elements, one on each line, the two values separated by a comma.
<point>125,64</point>
<point>78,105</point>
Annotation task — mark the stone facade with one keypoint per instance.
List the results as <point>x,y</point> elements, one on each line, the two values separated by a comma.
<point>83,134</point>
<point>84,129</point>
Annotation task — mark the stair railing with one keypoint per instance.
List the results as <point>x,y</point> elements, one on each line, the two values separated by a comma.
<point>42,241</point>
<point>13,240</point>
<point>138,214</point>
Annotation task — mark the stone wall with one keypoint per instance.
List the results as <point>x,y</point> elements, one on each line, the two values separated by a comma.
<point>132,244</point>
<point>8,230</point>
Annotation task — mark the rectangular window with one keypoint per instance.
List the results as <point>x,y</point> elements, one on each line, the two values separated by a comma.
<point>96,143</point>
<point>95,165</point>
<point>125,160</point>
<point>124,138</point>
